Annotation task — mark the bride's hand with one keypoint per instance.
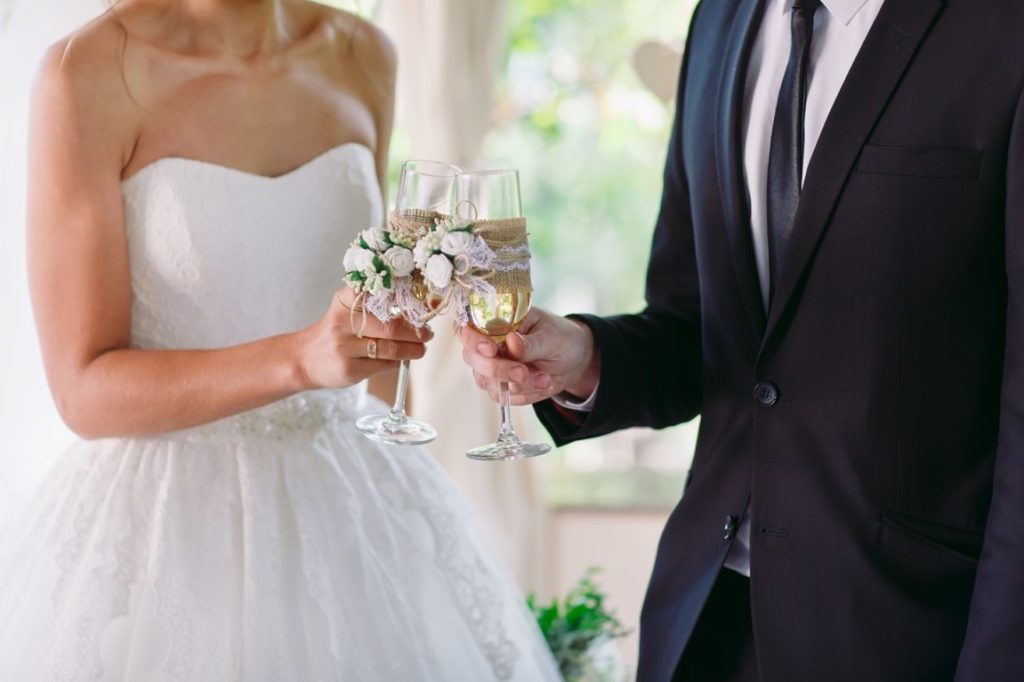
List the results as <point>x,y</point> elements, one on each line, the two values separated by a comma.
<point>332,355</point>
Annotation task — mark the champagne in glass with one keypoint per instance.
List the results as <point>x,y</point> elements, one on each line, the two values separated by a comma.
<point>492,201</point>
<point>425,189</point>
<point>501,316</point>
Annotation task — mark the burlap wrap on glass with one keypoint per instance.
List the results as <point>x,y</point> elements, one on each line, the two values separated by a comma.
<point>497,260</point>
<point>507,238</point>
<point>412,222</point>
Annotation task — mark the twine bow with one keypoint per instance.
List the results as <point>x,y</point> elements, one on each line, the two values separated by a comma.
<point>468,281</point>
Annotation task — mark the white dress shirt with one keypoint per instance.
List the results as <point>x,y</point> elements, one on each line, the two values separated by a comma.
<point>840,27</point>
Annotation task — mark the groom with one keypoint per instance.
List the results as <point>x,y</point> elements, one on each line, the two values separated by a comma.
<point>836,287</point>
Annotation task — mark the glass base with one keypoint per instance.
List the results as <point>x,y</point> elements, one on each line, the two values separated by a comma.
<point>383,428</point>
<point>511,450</point>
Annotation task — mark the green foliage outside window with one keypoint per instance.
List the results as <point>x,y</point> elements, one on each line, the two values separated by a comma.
<point>590,141</point>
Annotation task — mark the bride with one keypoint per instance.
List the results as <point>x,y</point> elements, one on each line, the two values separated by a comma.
<point>198,168</point>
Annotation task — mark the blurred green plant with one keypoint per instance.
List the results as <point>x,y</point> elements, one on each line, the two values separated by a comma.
<point>574,626</point>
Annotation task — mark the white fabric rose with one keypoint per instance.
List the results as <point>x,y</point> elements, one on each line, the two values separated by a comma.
<point>457,243</point>
<point>357,259</point>
<point>422,253</point>
<point>375,239</point>
<point>438,271</point>
<point>400,259</point>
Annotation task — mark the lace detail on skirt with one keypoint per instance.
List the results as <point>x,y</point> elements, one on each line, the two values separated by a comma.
<point>472,582</point>
<point>103,581</point>
<point>316,555</point>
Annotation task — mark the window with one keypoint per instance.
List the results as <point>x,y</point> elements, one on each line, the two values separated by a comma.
<point>590,140</point>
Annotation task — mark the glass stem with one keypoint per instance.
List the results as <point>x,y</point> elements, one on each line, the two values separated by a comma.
<point>507,434</point>
<point>397,414</point>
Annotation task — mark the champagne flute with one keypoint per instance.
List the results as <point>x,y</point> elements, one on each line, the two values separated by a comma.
<point>425,188</point>
<point>494,196</point>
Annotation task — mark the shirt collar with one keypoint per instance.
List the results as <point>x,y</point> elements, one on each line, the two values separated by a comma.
<point>842,10</point>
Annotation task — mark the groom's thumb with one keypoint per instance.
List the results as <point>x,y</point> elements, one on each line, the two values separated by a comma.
<point>533,346</point>
<point>521,347</point>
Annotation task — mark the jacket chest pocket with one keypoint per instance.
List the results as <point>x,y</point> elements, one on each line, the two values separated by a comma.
<point>920,162</point>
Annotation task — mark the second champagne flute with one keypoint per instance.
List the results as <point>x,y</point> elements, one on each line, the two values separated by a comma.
<point>425,190</point>
<point>491,200</point>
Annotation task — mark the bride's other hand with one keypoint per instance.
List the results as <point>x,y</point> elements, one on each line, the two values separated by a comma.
<point>333,355</point>
<point>548,355</point>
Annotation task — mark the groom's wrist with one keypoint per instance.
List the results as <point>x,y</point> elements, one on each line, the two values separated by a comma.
<point>582,385</point>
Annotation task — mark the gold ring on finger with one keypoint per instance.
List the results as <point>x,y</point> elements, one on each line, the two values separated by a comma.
<point>371,349</point>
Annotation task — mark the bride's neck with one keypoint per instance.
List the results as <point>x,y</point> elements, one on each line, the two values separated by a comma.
<point>241,28</point>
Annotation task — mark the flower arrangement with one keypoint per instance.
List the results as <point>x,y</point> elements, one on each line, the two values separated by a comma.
<point>380,268</point>
<point>418,270</point>
<point>455,263</point>
<point>376,259</point>
<point>580,632</point>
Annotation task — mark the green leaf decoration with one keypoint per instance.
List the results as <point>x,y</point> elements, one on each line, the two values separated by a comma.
<point>547,617</point>
<point>573,625</point>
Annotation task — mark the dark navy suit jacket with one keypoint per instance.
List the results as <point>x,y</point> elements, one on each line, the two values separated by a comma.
<point>875,415</point>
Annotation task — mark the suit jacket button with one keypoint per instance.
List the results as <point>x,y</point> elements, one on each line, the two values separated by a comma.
<point>766,393</point>
<point>729,529</point>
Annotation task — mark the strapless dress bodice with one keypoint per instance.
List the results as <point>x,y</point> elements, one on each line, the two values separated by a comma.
<point>220,256</point>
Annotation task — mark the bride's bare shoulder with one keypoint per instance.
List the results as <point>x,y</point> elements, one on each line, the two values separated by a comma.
<point>91,54</point>
<point>81,78</point>
<point>368,44</point>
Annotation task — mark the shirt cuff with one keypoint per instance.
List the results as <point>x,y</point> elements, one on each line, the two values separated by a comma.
<point>571,402</point>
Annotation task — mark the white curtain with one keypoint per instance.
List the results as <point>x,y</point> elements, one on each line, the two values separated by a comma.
<point>449,53</point>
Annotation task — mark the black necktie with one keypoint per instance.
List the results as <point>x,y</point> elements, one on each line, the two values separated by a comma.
<point>786,155</point>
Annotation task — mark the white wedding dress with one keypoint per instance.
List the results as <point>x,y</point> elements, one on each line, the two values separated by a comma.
<point>276,545</point>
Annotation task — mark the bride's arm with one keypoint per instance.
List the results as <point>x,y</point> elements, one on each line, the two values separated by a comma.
<point>83,128</point>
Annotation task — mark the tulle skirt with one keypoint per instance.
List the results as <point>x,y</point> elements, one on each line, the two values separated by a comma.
<point>275,545</point>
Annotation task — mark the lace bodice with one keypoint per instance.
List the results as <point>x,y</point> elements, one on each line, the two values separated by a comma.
<point>219,256</point>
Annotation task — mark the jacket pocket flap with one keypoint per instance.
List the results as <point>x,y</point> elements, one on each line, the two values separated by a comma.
<point>924,162</point>
<point>966,543</point>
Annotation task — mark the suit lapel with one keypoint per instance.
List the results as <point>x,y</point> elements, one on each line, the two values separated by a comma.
<point>889,48</point>
<point>729,151</point>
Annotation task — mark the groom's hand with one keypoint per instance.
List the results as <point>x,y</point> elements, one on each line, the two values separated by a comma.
<point>548,355</point>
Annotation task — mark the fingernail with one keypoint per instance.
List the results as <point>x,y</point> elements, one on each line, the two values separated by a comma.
<point>518,374</point>
<point>542,381</point>
<point>485,349</point>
